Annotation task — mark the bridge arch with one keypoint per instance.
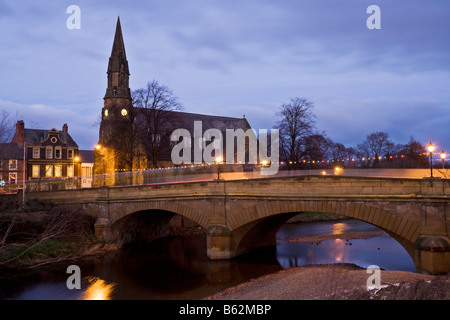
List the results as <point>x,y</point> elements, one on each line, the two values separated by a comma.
<point>260,222</point>
<point>120,211</point>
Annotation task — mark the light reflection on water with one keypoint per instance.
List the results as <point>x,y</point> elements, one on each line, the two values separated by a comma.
<point>98,290</point>
<point>380,250</point>
<point>178,268</point>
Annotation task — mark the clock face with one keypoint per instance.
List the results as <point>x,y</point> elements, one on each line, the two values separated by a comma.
<point>124,112</point>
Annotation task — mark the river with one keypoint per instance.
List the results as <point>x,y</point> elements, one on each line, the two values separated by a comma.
<point>177,268</point>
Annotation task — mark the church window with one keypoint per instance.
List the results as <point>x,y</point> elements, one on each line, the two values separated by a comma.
<point>122,80</point>
<point>124,112</point>
<point>106,112</point>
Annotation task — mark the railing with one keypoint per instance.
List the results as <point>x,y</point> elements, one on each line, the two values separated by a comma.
<point>216,172</point>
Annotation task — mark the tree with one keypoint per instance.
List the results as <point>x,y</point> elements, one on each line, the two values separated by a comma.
<point>415,153</point>
<point>127,143</point>
<point>158,118</point>
<point>316,147</point>
<point>7,123</point>
<point>6,126</point>
<point>297,122</point>
<point>376,145</point>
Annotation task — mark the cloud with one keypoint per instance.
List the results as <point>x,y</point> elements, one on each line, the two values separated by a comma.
<point>38,116</point>
<point>238,57</point>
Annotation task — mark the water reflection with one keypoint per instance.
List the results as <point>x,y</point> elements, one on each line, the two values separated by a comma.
<point>177,268</point>
<point>367,246</point>
<point>338,228</point>
<point>339,250</point>
<point>98,290</point>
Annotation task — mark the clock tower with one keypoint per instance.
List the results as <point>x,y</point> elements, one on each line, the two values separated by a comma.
<point>117,108</point>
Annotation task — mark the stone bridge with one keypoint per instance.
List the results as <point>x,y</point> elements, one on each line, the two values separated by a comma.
<point>239,215</point>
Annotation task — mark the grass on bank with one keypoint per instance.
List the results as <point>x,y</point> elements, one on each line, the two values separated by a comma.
<point>39,233</point>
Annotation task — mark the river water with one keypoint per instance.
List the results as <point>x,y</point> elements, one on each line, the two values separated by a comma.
<point>177,268</point>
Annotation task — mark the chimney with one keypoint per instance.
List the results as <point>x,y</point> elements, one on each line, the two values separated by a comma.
<point>65,128</point>
<point>19,136</point>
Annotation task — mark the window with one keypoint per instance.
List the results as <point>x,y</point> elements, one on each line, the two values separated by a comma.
<point>48,171</point>
<point>69,153</point>
<point>36,153</point>
<point>12,164</point>
<point>58,171</point>
<point>13,178</point>
<point>35,171</point>
<point>58,153</point>
<point>70,171</point>
<point>49,153</point>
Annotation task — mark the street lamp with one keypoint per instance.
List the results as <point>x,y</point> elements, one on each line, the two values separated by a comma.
<point>443,155</point>
<point>75,160</point>
<point>218,161</point>
<point>430,148</point>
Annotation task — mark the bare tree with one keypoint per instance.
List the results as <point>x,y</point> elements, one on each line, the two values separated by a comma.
<point>127,143</point>
<point>376,145</point>
<point>157,107</point>
<point>6,126</point>
<point>297,122</point>
<point>7,123</point>
<point>317,147</point>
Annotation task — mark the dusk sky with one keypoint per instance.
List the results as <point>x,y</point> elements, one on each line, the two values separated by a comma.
<point>230,58</point>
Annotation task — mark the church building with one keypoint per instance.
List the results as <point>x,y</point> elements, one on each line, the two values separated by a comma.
<point>124,143</point>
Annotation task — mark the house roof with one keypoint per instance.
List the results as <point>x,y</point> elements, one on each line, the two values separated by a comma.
<point>86,156</point>
<point>33,137</point>
<point>10,151</point>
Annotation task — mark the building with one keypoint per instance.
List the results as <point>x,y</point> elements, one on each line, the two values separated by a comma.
<point>86,160</point>
<point>11,167</point>
<point>49,154</point>
<point>124,143</point>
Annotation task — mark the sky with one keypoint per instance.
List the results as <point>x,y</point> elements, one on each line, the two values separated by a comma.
<point>235,58</point>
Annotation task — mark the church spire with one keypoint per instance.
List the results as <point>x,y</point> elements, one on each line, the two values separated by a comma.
<point>118,72</point>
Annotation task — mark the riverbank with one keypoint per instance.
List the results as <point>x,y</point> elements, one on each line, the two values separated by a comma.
<point>338,282</point>
<point>39,234</point>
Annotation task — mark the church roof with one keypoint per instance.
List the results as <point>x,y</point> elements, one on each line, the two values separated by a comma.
<point>185,120</point>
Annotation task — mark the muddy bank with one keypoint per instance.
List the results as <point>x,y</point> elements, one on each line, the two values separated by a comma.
<point>338,282</point>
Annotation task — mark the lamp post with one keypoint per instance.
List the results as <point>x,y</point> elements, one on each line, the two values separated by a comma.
<point>75,160</point>
<point>102,171</point>
<point>443,155</point>
<point>430,148</point>
<point>219,160</point>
